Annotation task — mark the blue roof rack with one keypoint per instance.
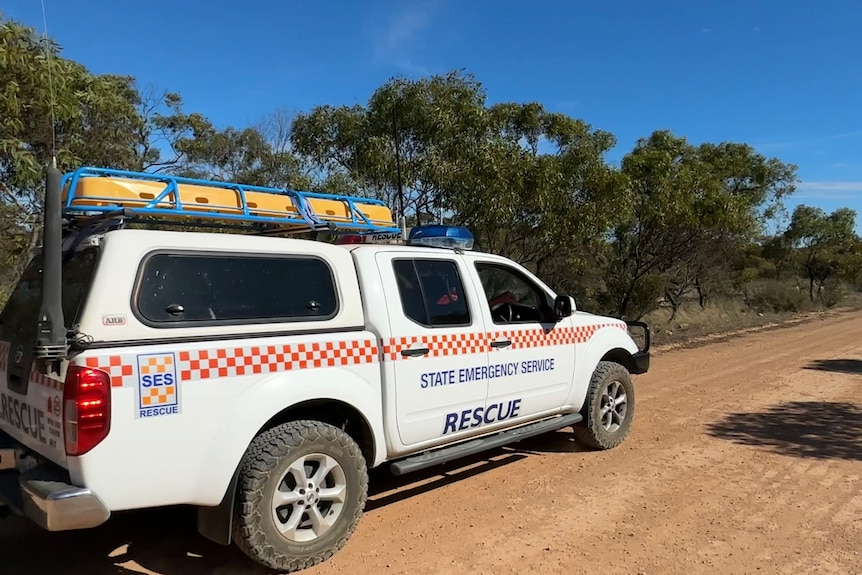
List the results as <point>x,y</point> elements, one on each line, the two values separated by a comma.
<point>92,191</point>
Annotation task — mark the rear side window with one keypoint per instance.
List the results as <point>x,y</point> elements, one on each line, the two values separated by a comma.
<point>431,292</point>
<point>20,316</point>
<point>221,288</point>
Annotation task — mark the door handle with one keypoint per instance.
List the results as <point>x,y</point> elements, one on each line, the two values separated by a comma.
<point>175,309</point>
<point>501,343</point>
<point>414,352</point>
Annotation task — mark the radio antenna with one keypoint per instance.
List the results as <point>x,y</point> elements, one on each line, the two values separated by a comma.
<point>51,102</point>
<point>398,172</point>
<point>51,341</point>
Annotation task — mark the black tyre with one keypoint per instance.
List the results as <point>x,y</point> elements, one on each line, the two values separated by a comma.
<point>301,492</point>
<point>609,407</point>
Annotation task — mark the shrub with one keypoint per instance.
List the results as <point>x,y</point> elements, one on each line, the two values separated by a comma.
<point>775,296</point>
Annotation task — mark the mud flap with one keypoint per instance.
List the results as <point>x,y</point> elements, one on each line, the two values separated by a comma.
<point>216,523</point>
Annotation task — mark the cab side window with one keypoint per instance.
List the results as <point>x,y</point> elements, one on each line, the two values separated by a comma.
<point>511,297</point>
<point>431,291</point>
<point>221,289</point>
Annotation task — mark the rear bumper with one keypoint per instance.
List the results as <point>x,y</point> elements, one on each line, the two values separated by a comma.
<point>45,495</point>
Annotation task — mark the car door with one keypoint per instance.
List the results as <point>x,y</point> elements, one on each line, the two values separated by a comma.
<point>437,345</point>
<point>532,354</point>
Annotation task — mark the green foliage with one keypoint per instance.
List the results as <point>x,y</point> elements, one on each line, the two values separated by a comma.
<point>50,106</point>
<point>688,209</point>
<point>775,296</point>
<point>825,244</point>
<point>471,164</point>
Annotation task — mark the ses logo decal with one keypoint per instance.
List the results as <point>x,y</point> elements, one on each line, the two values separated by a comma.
<point>158,385</point>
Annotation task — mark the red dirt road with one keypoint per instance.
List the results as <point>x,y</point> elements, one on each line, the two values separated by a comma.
<point>745,457</point>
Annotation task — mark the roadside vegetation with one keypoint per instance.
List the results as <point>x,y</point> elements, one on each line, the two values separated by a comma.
<point>691,237</point>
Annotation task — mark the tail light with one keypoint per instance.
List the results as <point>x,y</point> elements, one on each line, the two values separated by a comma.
<point>86,408</point>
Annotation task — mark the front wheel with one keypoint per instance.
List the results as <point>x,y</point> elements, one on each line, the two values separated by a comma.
<point>609,408</point>
<point>301,492</point>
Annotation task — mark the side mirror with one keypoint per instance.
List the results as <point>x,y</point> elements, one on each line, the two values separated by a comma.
<point>564,306</point>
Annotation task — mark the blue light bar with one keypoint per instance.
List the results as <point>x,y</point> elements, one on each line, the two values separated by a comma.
<point>440,236</point>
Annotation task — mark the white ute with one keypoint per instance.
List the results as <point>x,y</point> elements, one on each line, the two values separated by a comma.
<point>259,378</point>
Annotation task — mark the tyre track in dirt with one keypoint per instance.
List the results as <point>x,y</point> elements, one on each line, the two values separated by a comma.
<point>745,457</point>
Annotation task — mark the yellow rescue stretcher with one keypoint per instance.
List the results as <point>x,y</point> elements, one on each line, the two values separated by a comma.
<point>94,190</point>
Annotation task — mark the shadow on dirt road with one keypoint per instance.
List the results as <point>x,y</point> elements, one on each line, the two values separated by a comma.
<point>808,429</point>
<point>852,366</point>
<point>166,541</point>
<point>386,489</point>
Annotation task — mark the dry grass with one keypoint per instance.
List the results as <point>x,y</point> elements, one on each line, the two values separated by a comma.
<point>724,316</point>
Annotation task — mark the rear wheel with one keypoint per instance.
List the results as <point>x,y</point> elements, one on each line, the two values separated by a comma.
<point>301,492</point>
<point>609,408</point>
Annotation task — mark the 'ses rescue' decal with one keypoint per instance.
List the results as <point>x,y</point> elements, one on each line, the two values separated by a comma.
<point>158,390</point>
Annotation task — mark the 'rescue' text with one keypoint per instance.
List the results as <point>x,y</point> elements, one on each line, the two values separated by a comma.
<point>461,420</point>
<point>23,416</point>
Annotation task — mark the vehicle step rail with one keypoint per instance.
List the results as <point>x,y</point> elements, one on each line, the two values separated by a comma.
<point>481,444</point>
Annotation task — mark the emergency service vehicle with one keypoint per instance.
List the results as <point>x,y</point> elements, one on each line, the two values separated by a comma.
<point>258,372</point>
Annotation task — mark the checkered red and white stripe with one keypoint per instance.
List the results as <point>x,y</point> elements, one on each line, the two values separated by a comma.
<point>236,361</point>
<point>121,368</point>
<point>441,345</point>
<point>244,360</point>
<point>562,336</point>
<point>258,359</point>
<point>44,380</point>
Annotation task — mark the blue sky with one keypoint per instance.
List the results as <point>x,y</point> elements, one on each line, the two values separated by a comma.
<point>781,75</point>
